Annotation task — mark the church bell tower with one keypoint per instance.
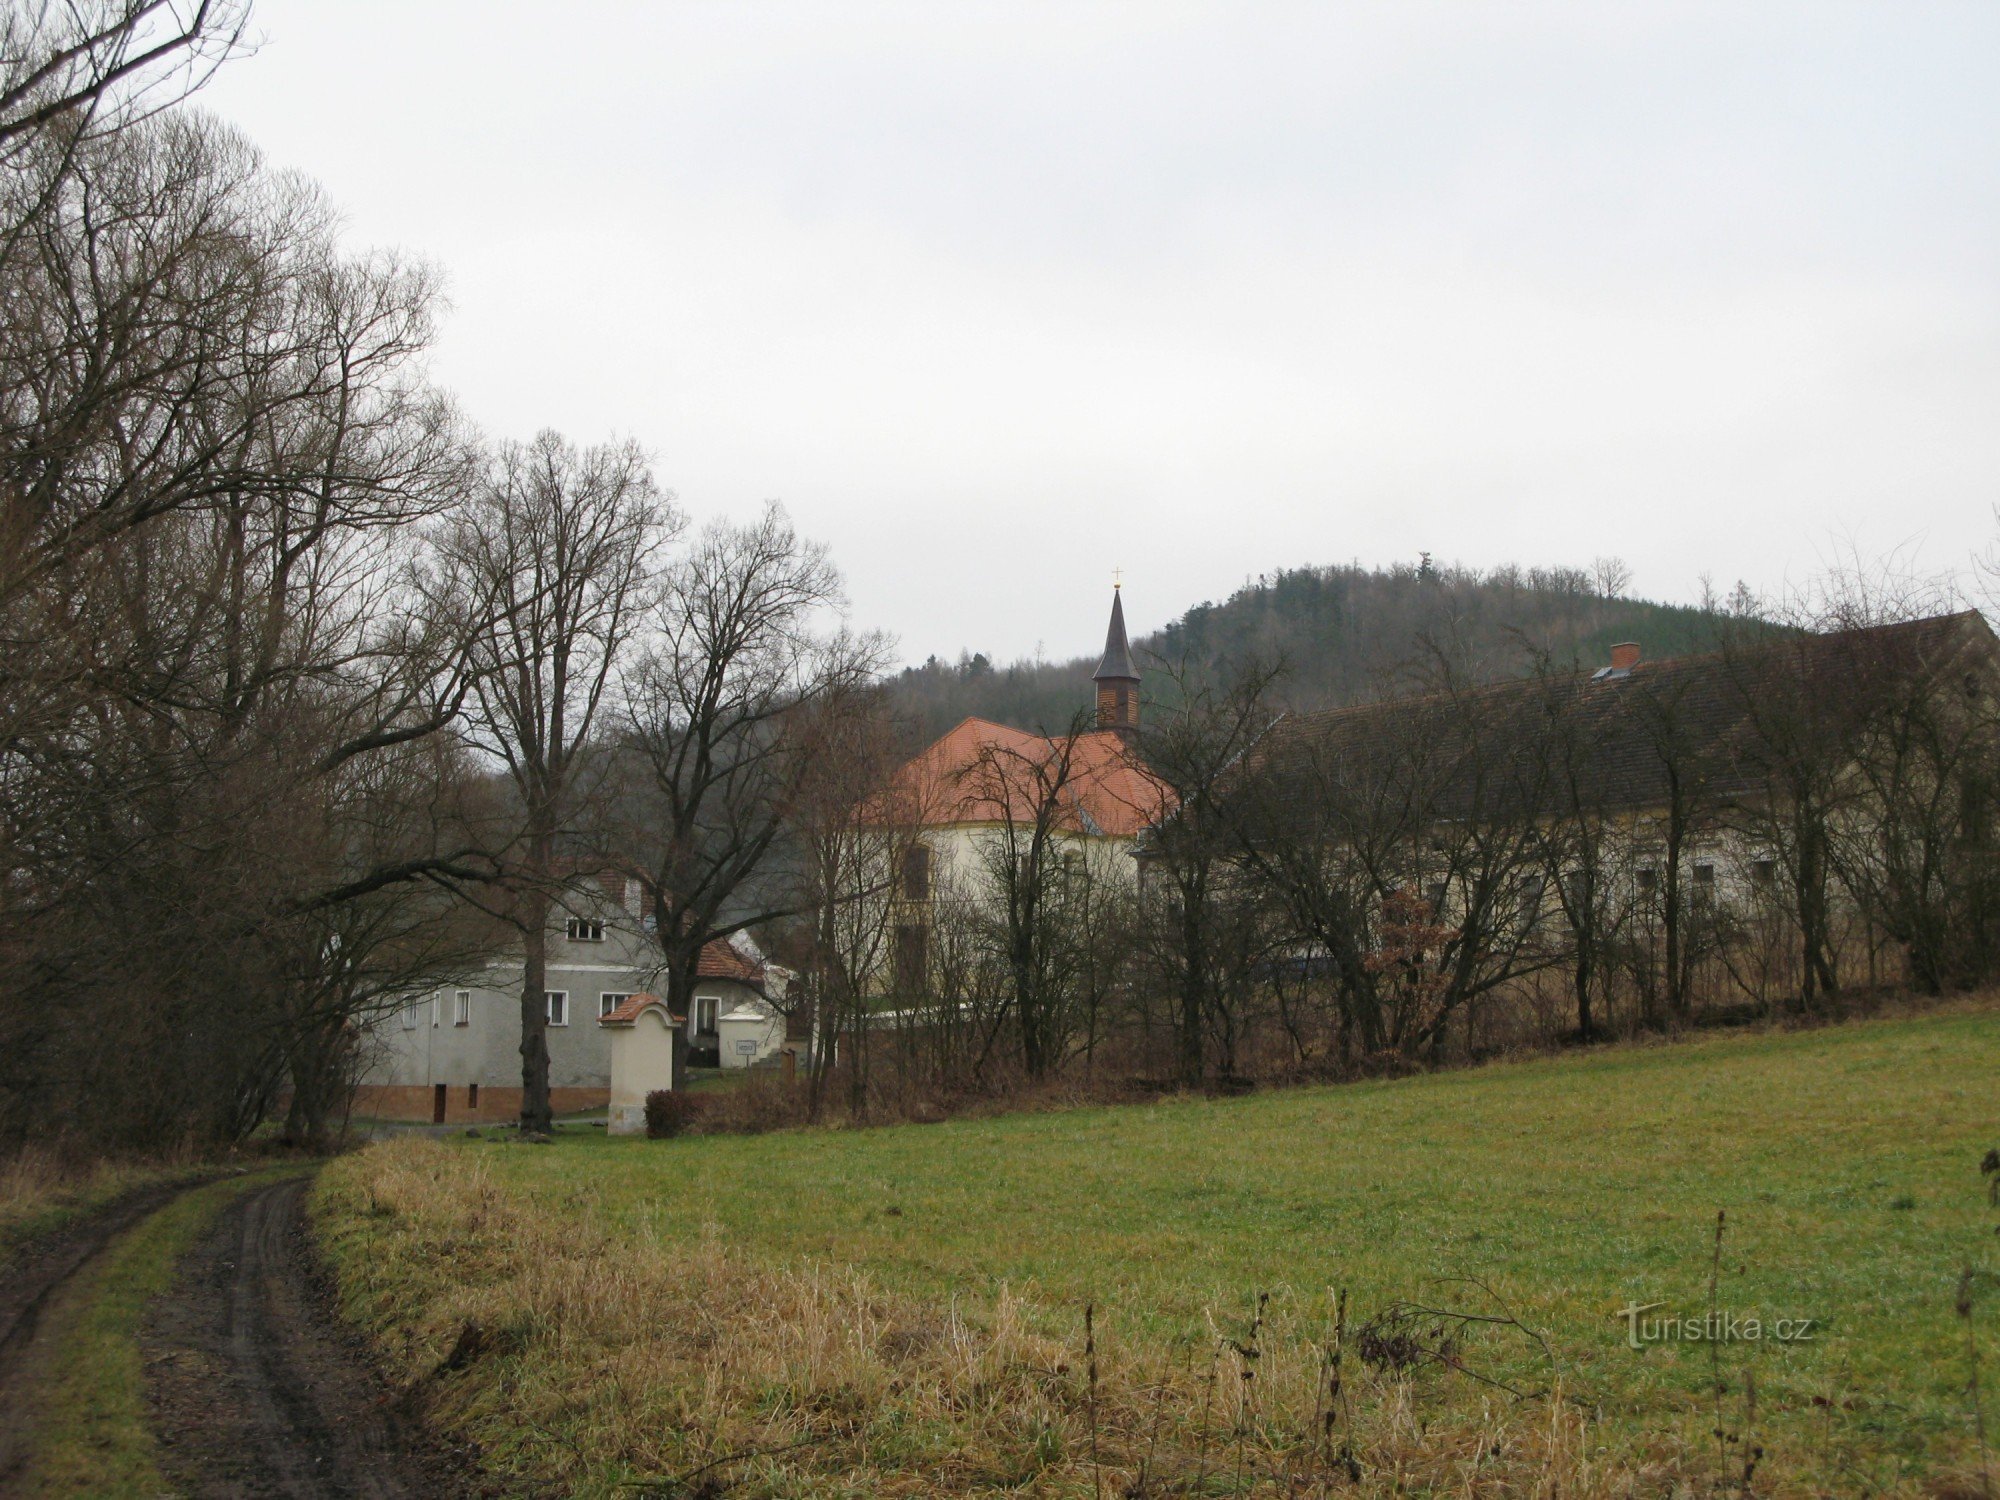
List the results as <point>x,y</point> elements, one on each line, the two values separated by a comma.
<point>1116,678</point>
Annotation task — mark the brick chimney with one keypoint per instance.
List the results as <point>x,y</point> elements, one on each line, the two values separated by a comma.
<point>1624,656</point>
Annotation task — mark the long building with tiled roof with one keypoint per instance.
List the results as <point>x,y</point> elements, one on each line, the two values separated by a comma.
<point>1633,723</point>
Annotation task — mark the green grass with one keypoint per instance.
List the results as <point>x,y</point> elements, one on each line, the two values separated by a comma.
<point>92,1434</point>
<point>1845,1159</point>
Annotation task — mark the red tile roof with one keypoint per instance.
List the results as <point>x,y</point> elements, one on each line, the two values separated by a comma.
<point>721,960</point>
<point>633,1008</point>
<point>982,772</point>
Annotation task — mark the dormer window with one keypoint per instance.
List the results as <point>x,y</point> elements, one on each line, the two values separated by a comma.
<point>584,930</point>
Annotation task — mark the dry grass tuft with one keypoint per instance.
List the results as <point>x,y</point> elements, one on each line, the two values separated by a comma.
<point>40,1188</point>
<point>602,1365</point>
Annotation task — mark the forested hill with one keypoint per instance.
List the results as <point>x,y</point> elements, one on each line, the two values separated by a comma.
<point>1345,634</point>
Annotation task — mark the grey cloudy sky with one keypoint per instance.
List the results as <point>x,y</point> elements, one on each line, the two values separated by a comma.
<point>999,297</point>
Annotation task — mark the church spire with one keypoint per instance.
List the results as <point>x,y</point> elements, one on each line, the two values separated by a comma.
<point>1116,678</point>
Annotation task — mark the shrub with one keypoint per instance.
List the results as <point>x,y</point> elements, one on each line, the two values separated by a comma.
<point>760,1102</point>
<point>670,1112</point>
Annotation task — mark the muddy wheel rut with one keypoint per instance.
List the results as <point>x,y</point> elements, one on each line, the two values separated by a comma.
<point>256,1388</point>
<point>254,1385</point>
<point>34,1278</point>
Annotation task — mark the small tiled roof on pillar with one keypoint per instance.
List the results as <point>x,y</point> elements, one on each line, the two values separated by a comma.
<point>634,1007</point>
<point>1117,664</point>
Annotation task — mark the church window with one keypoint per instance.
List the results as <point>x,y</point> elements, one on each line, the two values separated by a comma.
<point>917,873</point>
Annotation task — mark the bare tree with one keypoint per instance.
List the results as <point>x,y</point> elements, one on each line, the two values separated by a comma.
<point>1610,577</point>
<point>1583,861</point>
<point>1919,853</point>
<point>563,540</point>
<point>108,63</point>
<point>1029,867</point>
<point>1199,921</point>
<point>219,679</point>
<point>748,679</point>
<point>1689,769</point>
<point>861,873</point>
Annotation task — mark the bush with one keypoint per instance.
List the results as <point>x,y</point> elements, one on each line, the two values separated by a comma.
<point>669,1113</point>
<point>763,1101</point>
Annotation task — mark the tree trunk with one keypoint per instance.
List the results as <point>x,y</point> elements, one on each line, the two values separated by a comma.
<point>1193,983</point>
<point>1584,975</point>
<point>536,1116</point>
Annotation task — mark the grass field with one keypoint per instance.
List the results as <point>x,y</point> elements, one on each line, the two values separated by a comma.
<point>902,1310</point>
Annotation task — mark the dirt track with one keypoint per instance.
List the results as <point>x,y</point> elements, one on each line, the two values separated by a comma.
<point>33,1279</point>
<point>257,1389</point>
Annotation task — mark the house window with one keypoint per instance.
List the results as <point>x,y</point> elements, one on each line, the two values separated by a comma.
<point>912,959</point>
<point>917,873</point>
<point>411,1014</point>
<point>1531,902</point>
<point>1648,878</point>
<point>608,1002</point>
<point>558,1003</point>
<point>704,1015</point>
<point>461,1008</point>
<point>1764,872</point>
<point>472,1096</point>
<point>584,930</point>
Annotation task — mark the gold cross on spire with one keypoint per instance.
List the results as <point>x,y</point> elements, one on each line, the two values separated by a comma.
<point>1117,578</point>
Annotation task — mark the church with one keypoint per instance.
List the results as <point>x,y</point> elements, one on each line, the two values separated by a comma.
<point>990,814</point>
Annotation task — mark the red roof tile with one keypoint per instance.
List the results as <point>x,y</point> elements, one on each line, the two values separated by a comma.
<point>982,772</point>
<point>633,1008</point>
<point>721,960</point>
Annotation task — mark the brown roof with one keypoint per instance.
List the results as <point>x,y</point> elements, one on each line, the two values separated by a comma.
<point>633,1008</point>
<point>982,772</point>
<point>721,960</point>
<point>1480,747</point>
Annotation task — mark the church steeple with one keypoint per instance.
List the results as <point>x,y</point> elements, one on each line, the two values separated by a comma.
<point>1116,678</point>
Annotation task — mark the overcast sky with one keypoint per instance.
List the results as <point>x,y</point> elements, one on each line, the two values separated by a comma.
<point>998,298</point>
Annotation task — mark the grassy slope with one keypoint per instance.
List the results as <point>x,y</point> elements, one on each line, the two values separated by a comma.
<point>1845,1159</point>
